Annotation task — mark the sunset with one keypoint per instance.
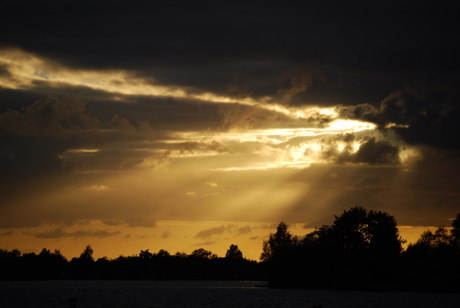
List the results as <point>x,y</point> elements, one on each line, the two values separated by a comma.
<point>177,126</point>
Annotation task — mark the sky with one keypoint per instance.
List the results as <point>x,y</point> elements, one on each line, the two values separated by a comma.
<point>178,125</point>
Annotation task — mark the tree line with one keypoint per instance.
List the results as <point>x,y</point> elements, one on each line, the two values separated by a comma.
<point>360,250</point>
<point>200,264</point>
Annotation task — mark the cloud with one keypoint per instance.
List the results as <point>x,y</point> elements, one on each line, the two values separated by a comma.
<point>49,116</point>
<point>208,233</point>
<point>140,219</point>
<point>236,117</point>
<point>194,147</point>
<point>7,233</point>
<point>418,116</point>
<point>111,222</point>
<point>212,184</point>
<point>239,88</point>
<point>244,230</point>
<point>377,152</point>
<point>26,70</point>
<point>204,234</point>
<point>346,148</point>
<point>215,193</point>
<point>156,163</point>
<point>206,243</point>
<point>294,82</point>
<point>95,187</point>
<point>53,138</point>
<point>60,233</point>
<point>267,226</point>
<point>166,234</point>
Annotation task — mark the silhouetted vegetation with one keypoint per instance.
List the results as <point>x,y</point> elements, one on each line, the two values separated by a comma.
<point>200,264</point>
<point>361,250</point>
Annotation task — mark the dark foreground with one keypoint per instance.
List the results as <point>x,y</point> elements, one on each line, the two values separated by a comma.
<point>145,294</point>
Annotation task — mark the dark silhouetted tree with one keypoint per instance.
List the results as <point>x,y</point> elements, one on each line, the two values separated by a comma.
<point>145,254</point>
<point>10,262</point>
<point>278,243</point>
<point>87,254</point>
<point>431,241</point>
<point>83,267</point>
<point>350,231</point>
<point>234,253</point>
<point>433,258</point>
<point>360,250</point>
<point>180,254</point>
<point>455,232</point>
<point>280,256</point>
<point>361,232</point>
<point>203,254</point>
<point>163,254</point>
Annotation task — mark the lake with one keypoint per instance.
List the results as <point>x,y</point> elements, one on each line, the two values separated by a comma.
<point>149,294</point>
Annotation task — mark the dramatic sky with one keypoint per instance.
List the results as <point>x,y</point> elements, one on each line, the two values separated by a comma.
<point>180,125</point>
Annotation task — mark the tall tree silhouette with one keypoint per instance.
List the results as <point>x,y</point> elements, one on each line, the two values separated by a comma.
<point>433,257</point>
<point>234,253</point>
<point>87,254</point>
<point>83,267</point>
<point>350,231</point>
<point>278,243</point>
<point>358,231</point>
<point>455,232</point>
<point>360,250</point>
<point>280,258</point>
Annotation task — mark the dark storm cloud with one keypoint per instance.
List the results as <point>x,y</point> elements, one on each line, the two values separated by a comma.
<point>371,150</point>
<point>418,116</point>
<point>208,44</point>
<point>294,82</point>
<point>377,152</point>
<point>34,140</point>
<point>49,116</point>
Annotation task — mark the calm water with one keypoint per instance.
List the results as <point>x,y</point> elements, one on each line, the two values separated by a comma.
<point>147,294</point>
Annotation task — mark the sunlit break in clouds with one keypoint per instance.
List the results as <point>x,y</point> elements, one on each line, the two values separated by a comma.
<point>161,127</point>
